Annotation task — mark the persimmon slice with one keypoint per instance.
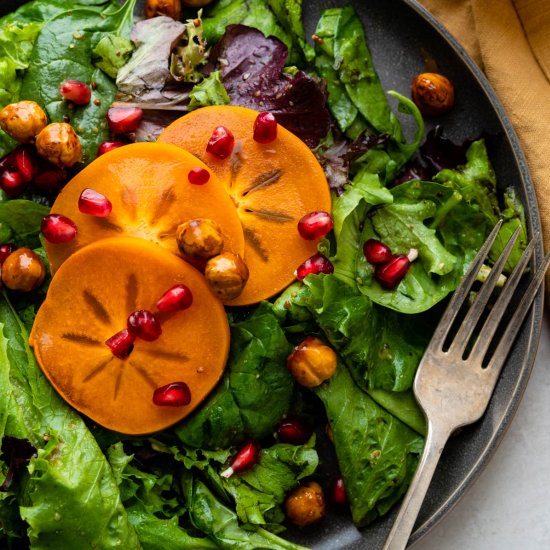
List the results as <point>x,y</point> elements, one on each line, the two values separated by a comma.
<point>273,185</point>
<point>90,299</point>
<point>150,192</point>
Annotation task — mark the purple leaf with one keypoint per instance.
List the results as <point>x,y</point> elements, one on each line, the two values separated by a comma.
<point>252,65</point>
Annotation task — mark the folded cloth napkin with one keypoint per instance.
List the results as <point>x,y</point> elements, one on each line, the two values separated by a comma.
<point>510,41</point>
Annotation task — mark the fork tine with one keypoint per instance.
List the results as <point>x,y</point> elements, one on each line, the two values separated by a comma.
<point>505,344</point>
<point>493,320</point>
<point>462,291</point>
<point>476,310</point>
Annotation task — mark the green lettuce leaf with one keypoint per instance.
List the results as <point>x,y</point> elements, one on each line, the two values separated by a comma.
<point>255,391</point>
<point>209,92</point>
<point>377,453</point>
<point>70,479</point>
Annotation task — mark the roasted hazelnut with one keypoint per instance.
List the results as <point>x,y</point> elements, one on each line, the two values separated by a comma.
<point>312,362</point>
<point>306,504</point>
<point>59,144</point>
<point>23,121</point>
<point>23,270</point>
<point>169,8</point>
<point>227,274</point>
<point>433,93</point>
<point>199,239</point>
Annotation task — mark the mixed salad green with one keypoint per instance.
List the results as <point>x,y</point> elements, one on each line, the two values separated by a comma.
<point>70,484</point>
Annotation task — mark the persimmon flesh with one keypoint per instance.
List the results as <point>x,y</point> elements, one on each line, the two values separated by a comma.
<point>148,187</point>
<point>273,186</point>
<point>89,301</point>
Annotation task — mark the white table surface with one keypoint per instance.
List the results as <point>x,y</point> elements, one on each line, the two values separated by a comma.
<point>508,507</point>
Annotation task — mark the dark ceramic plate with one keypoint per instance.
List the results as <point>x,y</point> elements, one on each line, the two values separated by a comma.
<point>398,32</point>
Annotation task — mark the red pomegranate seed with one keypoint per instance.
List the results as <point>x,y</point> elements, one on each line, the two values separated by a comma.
<point>107,146</point>
<point>389,275</point>
<point>221,142</point>
<point>376,252</point>
<point>5,251</point>
<point>122,120</point>
<point>315,225</point>
<point>265,128</point>
<point>198,176</point>
<point>314,266</point>
<point>121,344</point>
<point>95,204</point>
<point>246,458</point>
<point>51,179</point>
<point>26,163</point>
<point>58,229</point>
<point>75,91</point>
<point>179,297</point>
<point>143,324</point>
<point>338,492</point>
<point>12,183</point>
<point>176,394</point>
<point>293,431</point>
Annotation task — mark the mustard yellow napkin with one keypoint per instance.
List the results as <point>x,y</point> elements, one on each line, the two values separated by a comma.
<point>510,41</point>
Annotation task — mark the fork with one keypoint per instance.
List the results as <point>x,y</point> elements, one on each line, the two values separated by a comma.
<point>455,380</point>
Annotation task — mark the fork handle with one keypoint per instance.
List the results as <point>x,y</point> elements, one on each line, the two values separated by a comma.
<point>404,523</point>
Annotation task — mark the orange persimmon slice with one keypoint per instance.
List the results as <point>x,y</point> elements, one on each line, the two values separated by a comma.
<point>89,300</point>
<point>273,186</point>
<point>148,186</point>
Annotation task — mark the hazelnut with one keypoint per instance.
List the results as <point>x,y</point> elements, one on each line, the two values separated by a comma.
<point>312,362</point>
<point>306,504</point>
<point>23,270</point>
<point>433,93</point>
<point>59,144</point>
<point>169,8</point>
<point>199,239</point>
<point>227,274</point>
<point>23,121</point>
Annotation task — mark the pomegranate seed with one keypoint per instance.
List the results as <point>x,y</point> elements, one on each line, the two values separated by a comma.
<point>377,252</point>
<point>314,266</point>
<point>122,120</point>
<point>221,142</point>
<point>389,275</point>
<point>107,146</point>
<point>12,183</point>
<point>176,394</point>
<point>315,225</point>
<point>179,297</point>
<point>143,324</point>
<point>265,128</point>
<point>51,180</point>
<point>121,344</point>
<point>58,229</point>
<point>26,163</point>
<point>338,492</point>
<point>245,459</point>
<point>75,91</point>
<point>5,251</point>
<point>198,176</point>
<point>95,204</point>
<point>293,431</point>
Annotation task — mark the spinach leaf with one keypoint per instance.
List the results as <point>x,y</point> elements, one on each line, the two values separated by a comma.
<point>209,515</point>
<point>63,50</point>
<point>22,218</point>
<point>377,454</point>
<point>255,391</point>
<point>70,478</point>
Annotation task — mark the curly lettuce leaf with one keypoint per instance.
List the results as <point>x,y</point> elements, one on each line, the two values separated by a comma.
<point>377,453</point>
<point>255,391</point>
<point>208,92</point>
<point>70,478</point>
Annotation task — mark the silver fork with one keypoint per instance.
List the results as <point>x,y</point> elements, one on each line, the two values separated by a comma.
<point>452,384</point>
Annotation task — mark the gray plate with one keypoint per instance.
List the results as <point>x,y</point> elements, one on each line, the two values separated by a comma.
<point>397,32</point>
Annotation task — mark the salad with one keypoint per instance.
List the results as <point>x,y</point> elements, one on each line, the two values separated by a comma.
<point>330,298</point>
